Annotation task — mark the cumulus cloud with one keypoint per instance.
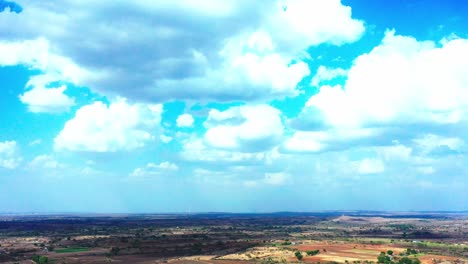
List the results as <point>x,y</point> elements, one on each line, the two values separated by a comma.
<point>108,128</point>
<point>9,155</point>
<point>37,54</point>
<point>401,87</point>
<point>234,50</point>
<point>326,74</point>
<point>185,120</point>
<point>244,128</point>
<point>42,99</point>
<point>401,81</point>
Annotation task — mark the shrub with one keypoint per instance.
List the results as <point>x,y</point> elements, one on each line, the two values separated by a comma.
<point>312,252</point>
<point>298,255</point>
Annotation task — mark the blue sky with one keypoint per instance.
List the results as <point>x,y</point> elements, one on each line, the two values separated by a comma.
<point>240,106</point>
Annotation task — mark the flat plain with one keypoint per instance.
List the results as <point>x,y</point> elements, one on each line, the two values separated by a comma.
<point>223,238</point>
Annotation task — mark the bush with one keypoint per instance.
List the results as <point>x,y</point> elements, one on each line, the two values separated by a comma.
<point>313,252</point>
<point>114,251</point>
<point>40,259</point>
<point>298,255</point>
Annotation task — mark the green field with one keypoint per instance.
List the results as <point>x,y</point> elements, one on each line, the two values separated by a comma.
<point>72,250</point>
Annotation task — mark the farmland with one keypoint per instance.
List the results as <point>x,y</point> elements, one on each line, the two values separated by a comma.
<point>325,237</point>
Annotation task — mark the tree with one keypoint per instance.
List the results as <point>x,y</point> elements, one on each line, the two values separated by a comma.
<point>312,252</point>
<point>382,258</point>
<point>43,260</point>
<point>298,255</point>
<point>114,250</point>
<point>390,252</point>
<point>405,260</point>
<point>40,259</point>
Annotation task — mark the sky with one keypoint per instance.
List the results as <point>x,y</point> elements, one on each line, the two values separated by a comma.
<point>233,106</point>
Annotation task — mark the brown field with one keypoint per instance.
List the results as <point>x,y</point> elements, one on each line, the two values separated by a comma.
<point>233,239</point>
<point>342,251</point>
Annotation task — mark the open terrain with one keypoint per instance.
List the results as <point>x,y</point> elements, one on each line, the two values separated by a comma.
<point>326,237</point>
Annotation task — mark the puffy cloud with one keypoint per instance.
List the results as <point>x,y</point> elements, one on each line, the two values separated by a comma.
<point>43,99</point>
<point>235,50</point>
<point>9,156</point>
<point>400,88</point>
<point>38,55</point>
<point>185,120</point>
<point>152,169</point>
<point>400,81</point>
<point>327,74</point>
<point>101,128</point>
<point>244,128</point>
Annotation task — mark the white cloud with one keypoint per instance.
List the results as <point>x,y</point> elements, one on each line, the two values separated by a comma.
<point>245,128</point>
<point>36,54</point>
<point>45,162</point>
<point>306,141</point>
<point>165,139</point>
<point>396,152</point>
<point>41,98</point>
<point>196,150</point>
<point>400,88</point>
<point>430,142</point>
<point>48,100</point>
<point>327,74</point>
<point>185,120</point>
<point>400,81</point>
<point>242,49</point>
<point>101,128</point>
<point>152,169</point>
<point>9,156</point>
<point>370,166</point>
<point>326,140</point>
